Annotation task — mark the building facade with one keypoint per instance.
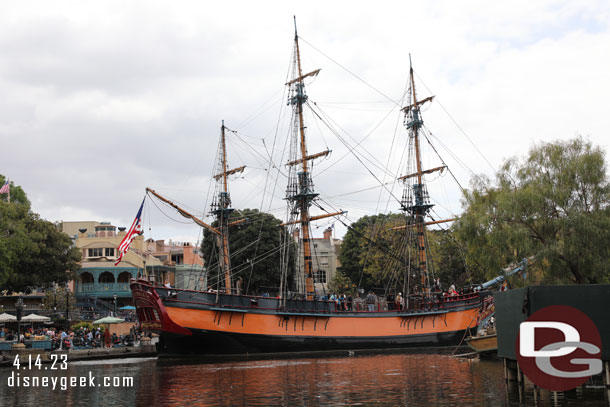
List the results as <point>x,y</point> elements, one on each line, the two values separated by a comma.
<point>187,265</point>
<point>325,257</point>
<point>98,277</point>
<point>100,281</point>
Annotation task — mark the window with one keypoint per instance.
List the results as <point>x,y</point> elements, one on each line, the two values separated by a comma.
<point>123,277</point>
<point>109,252</point>
<point>97,252</point>
<point>320,276</point>
<point>106,277</point>
<point>86,278</point>
<point>177,258</point>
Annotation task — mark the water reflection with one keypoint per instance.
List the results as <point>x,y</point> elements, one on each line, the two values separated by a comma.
<point>387,379</point>
<point>426,380</point>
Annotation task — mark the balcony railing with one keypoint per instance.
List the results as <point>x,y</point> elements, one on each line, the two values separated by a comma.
<point>102,287</point>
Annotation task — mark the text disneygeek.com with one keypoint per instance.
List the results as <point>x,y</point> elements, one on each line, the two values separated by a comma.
<point>58,363</point>
<point>65,382</point>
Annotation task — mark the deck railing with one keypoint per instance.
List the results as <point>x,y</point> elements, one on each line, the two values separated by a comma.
<point>102,287</point>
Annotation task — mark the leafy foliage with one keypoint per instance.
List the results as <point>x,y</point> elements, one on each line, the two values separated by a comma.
<point>552,207</point>
<point>371,252</point>
<point>448,261</point>
<point>77,326</point>
<point>17,194</point>
<point>254,249</point>
<point>33,252</point>
<point>55,299</point>
<point>341,284</point>
<point>374,256</point>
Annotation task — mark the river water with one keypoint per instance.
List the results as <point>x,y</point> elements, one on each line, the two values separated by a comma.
<point>386,380</point>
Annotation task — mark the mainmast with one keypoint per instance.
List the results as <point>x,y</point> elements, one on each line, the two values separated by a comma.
<point>300,191</point>
<point>222,210</point>
<point>416,200</point>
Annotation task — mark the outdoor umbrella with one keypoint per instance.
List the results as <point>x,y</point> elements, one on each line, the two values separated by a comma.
<point>35,318</point>
<point>108,320</point>
<point>7,318</point>
<point>128,307</point>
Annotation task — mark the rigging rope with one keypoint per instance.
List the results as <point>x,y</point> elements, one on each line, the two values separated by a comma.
<point>350,72</point>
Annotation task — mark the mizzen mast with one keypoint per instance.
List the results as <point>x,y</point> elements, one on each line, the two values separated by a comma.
<point>221,208</point>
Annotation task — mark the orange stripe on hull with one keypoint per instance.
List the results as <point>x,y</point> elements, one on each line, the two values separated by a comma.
<point>337,326</point>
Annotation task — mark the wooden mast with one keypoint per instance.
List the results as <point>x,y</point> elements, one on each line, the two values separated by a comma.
<point>304,178</point>
<point>221,208</point>
<point>421,206</point>
<point>301,193</point>
<point>223,217</point>
<point>423,262</point>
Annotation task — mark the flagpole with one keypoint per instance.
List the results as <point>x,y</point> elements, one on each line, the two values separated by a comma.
<point>9,190</point>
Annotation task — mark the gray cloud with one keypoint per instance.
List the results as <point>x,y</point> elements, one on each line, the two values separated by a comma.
<point>101,101</point>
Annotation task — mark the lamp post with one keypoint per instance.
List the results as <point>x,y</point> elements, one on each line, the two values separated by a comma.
<point>67,306</point>
<point>114,304</point>
<point>54,300</point>
<point>19,307</point>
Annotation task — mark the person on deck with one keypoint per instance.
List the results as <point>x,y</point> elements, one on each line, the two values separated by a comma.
<point>391,301</point>
<point>437,285</point>
<point>370,300</point>
<point>399,302</point>
<point>238,284</point>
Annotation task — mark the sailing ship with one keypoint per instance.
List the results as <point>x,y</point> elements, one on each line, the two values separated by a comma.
<point>225,321</point>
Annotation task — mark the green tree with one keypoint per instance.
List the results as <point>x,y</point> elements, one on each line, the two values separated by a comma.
<point>552,207</point>
<point>33,252</point>
<point>16,192</point>
<point>448,260</point>
<point>372,255</point>
<point>342,284</point>
<point>255,250</point>
<point>55,299</point>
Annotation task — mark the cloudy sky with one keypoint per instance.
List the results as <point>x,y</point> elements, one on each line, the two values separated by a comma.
<point>103,99</point>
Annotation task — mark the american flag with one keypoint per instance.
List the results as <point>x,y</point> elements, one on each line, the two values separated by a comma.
<point>134,230</point>
<point>5,188</point>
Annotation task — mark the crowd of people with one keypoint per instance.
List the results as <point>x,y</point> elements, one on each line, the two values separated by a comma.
<point>395,301</point>
<point>81,338</point>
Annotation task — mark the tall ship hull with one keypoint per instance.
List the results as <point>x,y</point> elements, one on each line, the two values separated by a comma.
<point>194,322</point>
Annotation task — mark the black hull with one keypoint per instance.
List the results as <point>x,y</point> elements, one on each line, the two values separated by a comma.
<point>214,343</point>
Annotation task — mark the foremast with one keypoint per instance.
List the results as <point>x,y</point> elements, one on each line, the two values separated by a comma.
<point>300,192</point>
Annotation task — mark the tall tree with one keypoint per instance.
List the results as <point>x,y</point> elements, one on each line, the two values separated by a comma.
<point>372,255</point>
<point>255,251</point>
<point>33,252</point>
<point>553,207</point>
<point>449,261</point>
<point>59,299</point>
